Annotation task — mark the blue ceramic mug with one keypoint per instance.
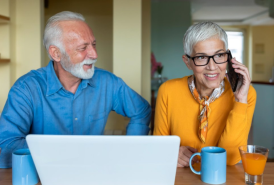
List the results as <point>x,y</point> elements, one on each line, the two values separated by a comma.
<point>213,165</point>
<point>23,169</point>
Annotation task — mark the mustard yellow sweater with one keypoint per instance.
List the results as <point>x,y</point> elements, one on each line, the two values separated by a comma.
<point>228,124</point>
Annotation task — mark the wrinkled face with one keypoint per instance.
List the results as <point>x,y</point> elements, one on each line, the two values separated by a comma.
<point>80,47</point>
<point>208,77</point>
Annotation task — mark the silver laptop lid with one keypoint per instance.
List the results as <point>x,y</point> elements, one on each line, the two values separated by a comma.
<point>105,160</point>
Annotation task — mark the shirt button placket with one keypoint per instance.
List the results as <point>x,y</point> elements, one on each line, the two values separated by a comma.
<point>75,118</point>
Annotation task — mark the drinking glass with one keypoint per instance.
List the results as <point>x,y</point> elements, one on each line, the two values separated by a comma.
<point>253,159</point>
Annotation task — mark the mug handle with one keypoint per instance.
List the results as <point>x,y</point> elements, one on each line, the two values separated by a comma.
<point>190,165</point>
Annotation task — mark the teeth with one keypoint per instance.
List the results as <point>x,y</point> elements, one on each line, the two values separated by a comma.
<point>211,76</point>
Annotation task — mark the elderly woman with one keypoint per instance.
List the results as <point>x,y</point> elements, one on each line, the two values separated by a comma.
<point>202,109</point>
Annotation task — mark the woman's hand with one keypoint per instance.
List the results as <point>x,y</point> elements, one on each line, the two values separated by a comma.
<point>185,152</point>
<point>244,81</point>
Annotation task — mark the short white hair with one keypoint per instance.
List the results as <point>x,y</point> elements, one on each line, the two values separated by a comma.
<point>200,32</point>
<point>53,31</point>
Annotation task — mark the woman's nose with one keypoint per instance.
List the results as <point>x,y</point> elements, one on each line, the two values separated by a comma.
<point>211,65</point>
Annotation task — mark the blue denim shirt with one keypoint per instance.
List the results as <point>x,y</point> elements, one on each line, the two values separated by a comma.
<point>39,104</point>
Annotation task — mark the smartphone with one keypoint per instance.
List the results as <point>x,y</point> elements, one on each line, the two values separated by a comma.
<point>232,75</point>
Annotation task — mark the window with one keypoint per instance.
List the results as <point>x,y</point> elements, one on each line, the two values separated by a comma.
<point>236,44</point>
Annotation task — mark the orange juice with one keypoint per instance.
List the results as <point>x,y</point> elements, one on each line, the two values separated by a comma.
<point>254,163</point>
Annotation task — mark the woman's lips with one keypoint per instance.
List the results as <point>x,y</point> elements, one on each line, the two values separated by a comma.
<point>211,76</point>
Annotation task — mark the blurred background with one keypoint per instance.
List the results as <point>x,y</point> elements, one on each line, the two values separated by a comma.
<point>141,42</point>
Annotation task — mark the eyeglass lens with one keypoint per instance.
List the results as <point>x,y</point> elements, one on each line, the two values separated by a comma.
<point>218,58</point>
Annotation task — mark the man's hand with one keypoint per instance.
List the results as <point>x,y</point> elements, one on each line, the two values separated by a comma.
<point>185,152</point>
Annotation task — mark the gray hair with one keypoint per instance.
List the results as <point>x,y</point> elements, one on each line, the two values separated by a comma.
<point>53,31</point>
<point>200,32</point>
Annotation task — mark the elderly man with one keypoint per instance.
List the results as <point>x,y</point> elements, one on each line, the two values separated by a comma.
<point>70,96</point>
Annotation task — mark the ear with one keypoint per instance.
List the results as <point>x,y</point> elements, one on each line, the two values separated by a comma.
<point>55,53</point>
<point>187,61</point>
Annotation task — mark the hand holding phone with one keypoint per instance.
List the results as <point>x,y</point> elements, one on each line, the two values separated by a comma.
<point>239,79</point>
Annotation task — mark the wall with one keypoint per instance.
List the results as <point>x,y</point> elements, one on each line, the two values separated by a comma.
<point>169,22</point>
<point>127,44</point>
<point>263,52</point>
<point>263,119</point>
<point>263,61</point>
<point>5,53</point>
<point>26,35</point>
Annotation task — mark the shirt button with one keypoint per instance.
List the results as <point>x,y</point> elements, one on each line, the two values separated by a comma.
<point>76,119</point>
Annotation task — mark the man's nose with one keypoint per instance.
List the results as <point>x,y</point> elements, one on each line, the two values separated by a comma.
<point>92,53</point>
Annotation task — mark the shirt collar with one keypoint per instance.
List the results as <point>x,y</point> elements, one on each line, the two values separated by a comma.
<point>54,84</point>
<point>91,81</point>
<point>84,83</point>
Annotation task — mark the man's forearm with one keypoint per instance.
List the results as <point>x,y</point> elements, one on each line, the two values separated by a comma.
<point>7,147</point>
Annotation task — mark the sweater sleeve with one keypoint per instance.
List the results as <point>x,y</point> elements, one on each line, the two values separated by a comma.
<point>237,127</point>
<point>161,126</point>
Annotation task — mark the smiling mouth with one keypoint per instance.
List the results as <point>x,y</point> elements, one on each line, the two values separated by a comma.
<point>88,64</point>
<point>211,75</point>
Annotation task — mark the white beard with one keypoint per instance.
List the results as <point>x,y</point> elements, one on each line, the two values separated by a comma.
<point>77,69</point>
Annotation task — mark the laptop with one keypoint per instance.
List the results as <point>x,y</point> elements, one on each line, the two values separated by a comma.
<point>105,160</point>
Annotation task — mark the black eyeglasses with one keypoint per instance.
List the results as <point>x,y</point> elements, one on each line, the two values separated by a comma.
<point>218,58</point>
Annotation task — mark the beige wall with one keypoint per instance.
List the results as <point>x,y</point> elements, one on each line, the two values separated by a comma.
<point>131,45</point>
<point>26,33</point>
<point>127,44</point>
<point>4,8</point>
<point>5,53</point>
<point>131,48</point>
<point>263,52</point>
